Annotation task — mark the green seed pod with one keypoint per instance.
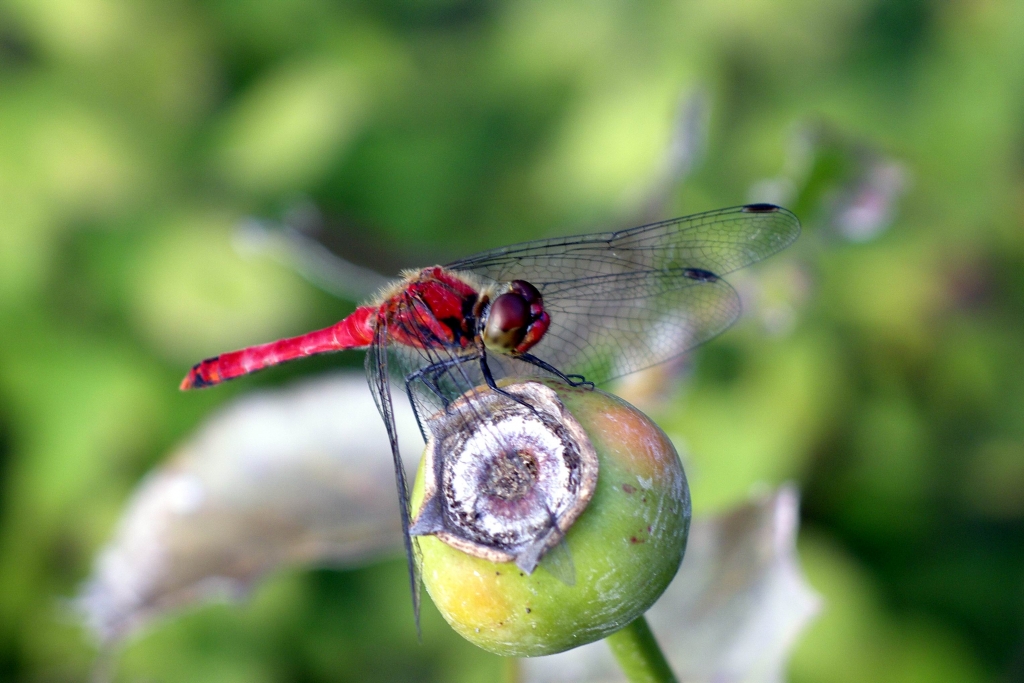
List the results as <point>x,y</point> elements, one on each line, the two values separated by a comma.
<point>578,481</point>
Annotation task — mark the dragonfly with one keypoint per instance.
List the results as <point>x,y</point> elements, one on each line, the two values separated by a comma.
<point>583,309</point>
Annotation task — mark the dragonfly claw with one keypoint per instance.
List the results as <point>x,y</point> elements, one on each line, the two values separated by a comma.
<point>579,381</point>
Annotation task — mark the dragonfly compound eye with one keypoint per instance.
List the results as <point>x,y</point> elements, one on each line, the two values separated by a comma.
<point>507,322</point>
<point>527,291</point>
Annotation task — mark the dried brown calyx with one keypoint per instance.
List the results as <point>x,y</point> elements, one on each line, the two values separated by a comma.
<point>503,480</point>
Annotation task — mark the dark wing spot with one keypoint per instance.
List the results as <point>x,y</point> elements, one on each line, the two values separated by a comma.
<point>700,275</point>
<point>760,208</point>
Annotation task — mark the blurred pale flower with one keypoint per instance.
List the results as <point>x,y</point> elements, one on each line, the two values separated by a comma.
<point>302,477</point>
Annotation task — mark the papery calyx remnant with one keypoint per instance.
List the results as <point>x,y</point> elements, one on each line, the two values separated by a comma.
<point>504,481</point>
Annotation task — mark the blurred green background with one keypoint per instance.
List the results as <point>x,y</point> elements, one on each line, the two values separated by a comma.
<point>135,135</point>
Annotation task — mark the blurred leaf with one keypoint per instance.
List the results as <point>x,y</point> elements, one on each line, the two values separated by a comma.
<point>890,292</point>
<point>996,479</point>
<point>61,161</point>
<point>289,126</point>
<point>732,613</point>
<point>857,640</point>
<point>543,40</point>
<point>301,476</point>
<point>154,57</point>
<point>26,241</point>
<point>85,410</point>
<point>84,161</point>
<point>611,143</point>
<point>76,28</point>
<point>193,294</point>
<point>751,418</point>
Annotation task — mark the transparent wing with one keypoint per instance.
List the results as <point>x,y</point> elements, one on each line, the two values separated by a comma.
<point>625,300</point>
<point>377,375</point>
<point>645,320</point>
<point>719,241</point>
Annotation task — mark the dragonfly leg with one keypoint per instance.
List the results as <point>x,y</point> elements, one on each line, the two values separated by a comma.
<point>571,380</point>
<point>416,413</point>
<point>429,376</point>
<point>489,378</point>
<point>423,376</point>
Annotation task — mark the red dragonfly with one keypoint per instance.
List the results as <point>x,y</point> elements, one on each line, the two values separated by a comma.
<point>584,309</point>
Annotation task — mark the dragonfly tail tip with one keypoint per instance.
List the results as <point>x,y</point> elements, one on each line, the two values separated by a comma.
<point>196,380</point>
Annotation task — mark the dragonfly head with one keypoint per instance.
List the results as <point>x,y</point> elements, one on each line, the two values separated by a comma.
<point>515,320</point>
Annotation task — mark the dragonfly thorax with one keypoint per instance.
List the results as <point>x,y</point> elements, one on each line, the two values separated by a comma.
<point>515,320</point>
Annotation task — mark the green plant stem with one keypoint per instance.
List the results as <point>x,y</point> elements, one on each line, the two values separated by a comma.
<point>639,655</point>
<point>511,671</point>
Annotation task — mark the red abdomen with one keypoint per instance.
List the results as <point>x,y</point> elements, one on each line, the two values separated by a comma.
<point>354,332</point>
